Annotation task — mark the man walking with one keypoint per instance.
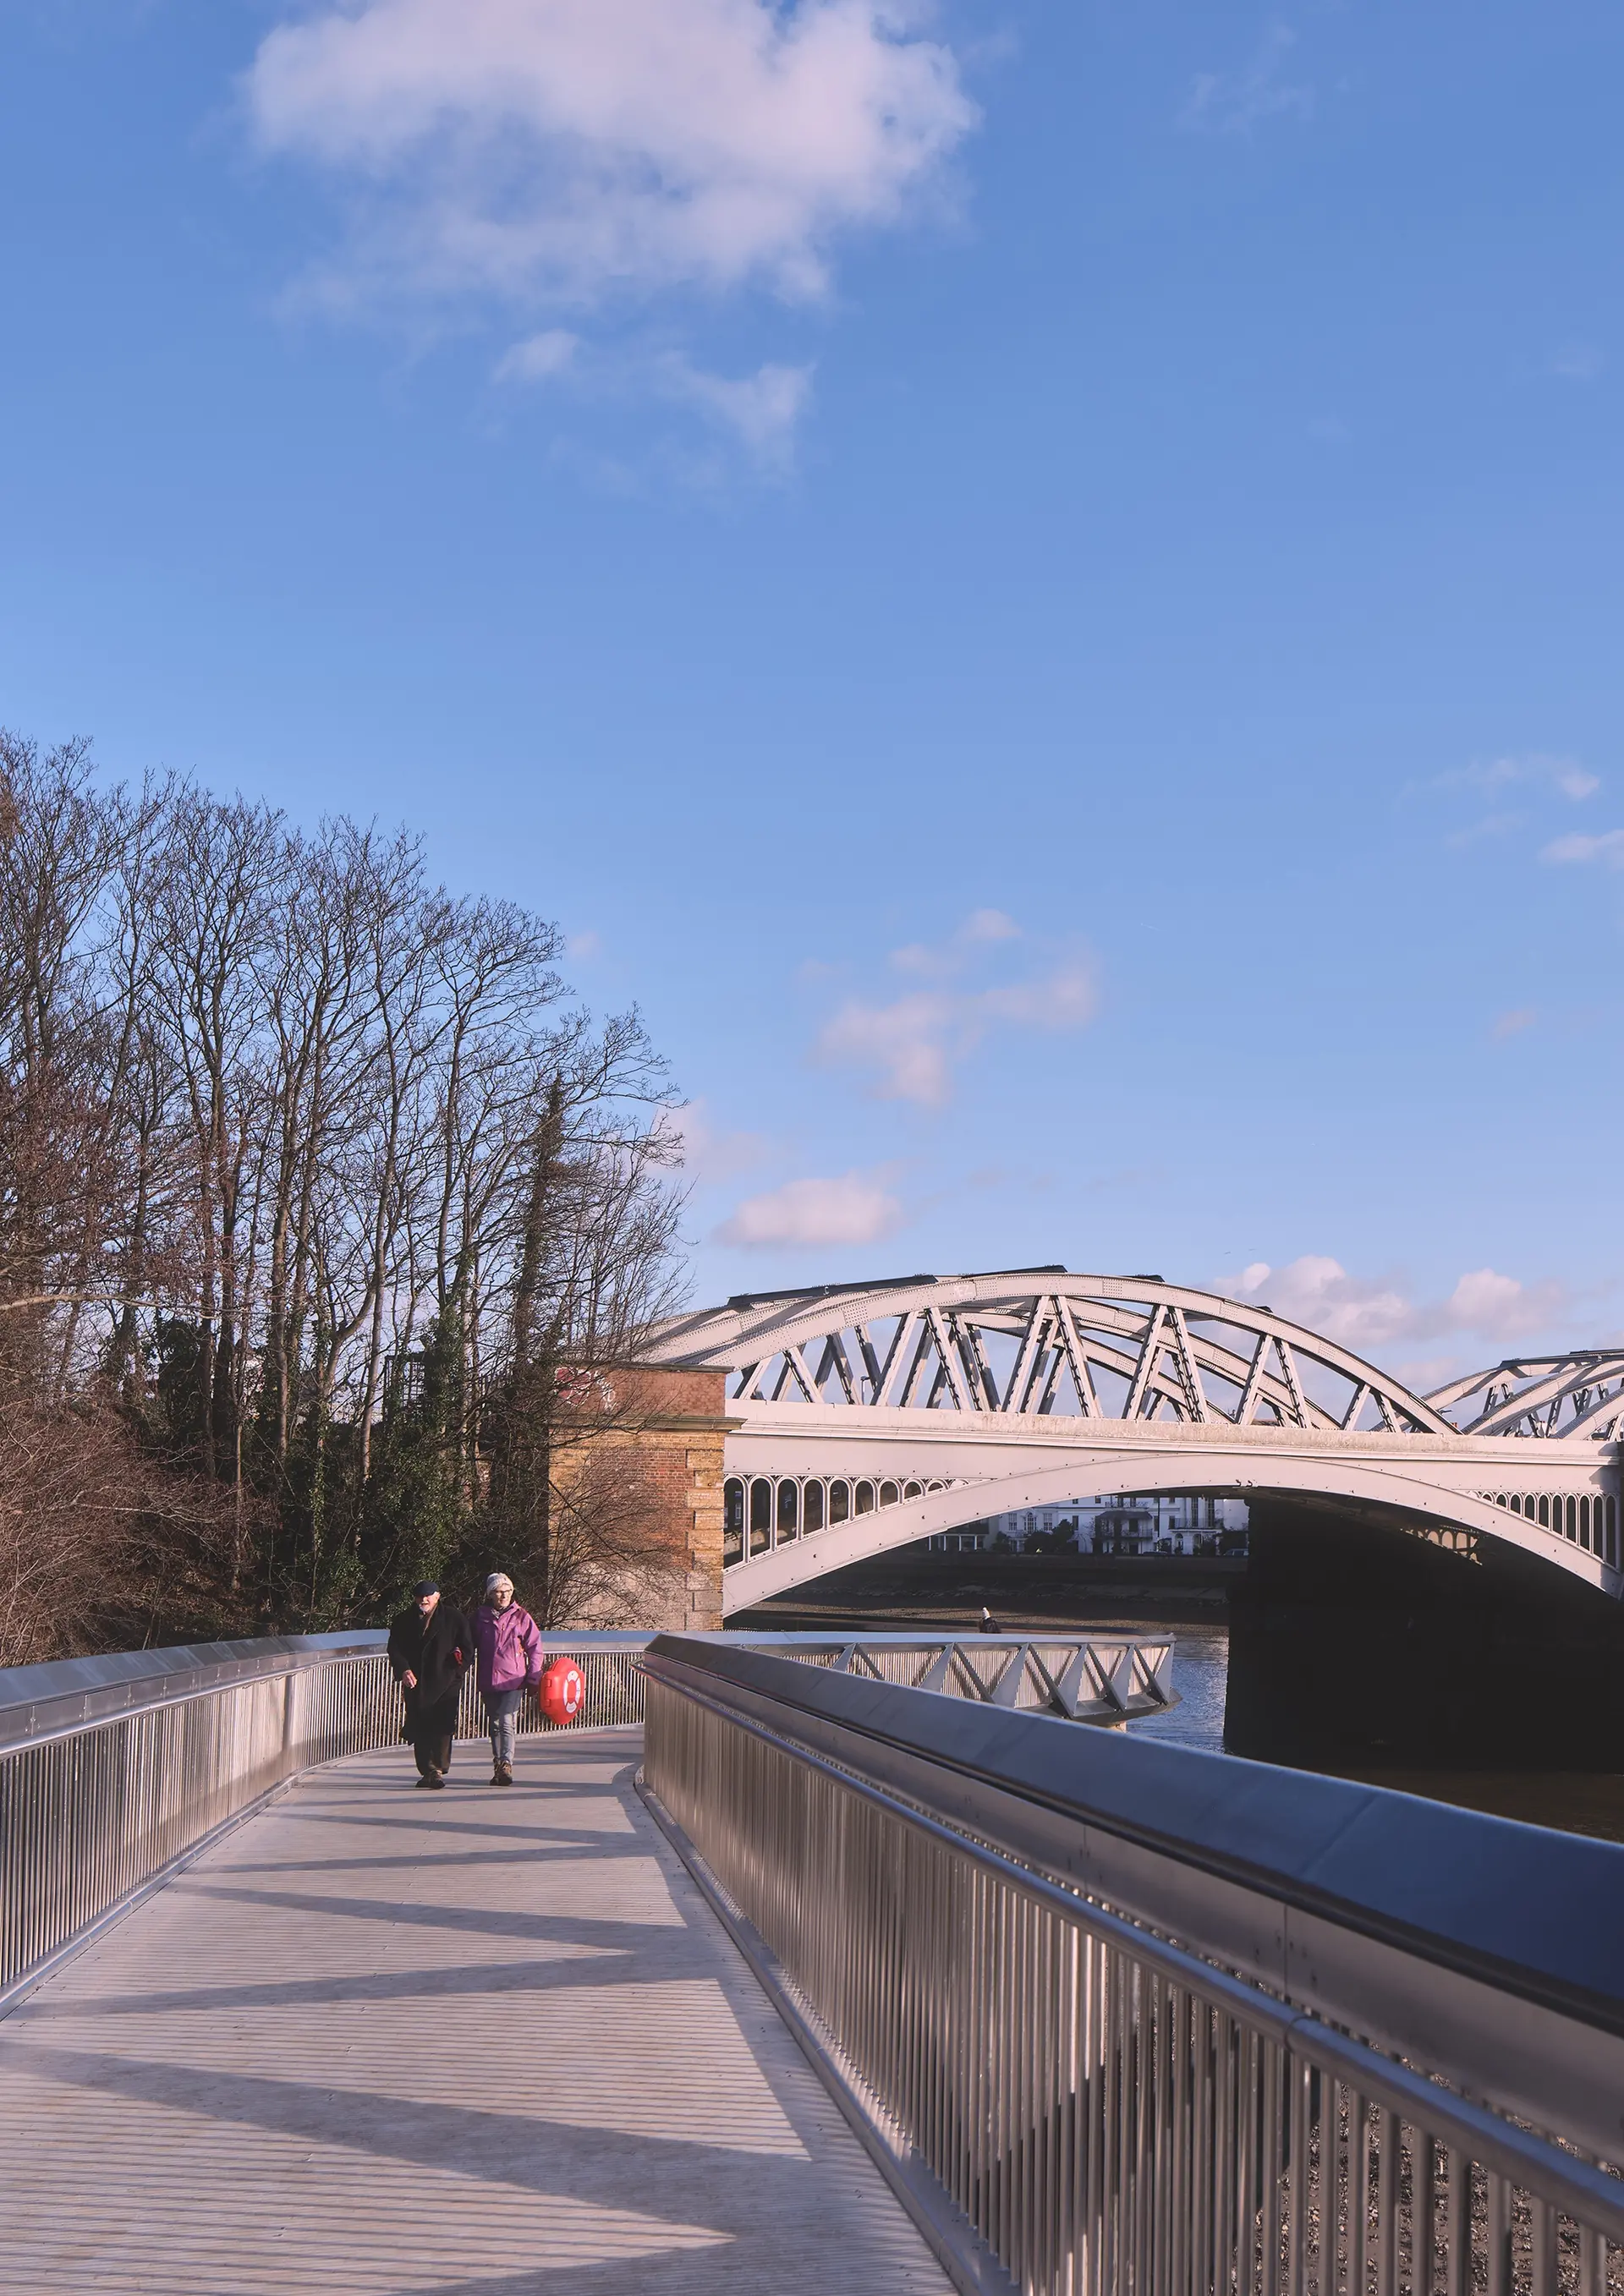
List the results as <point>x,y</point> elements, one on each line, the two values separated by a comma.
<point>430,1645</point>
<point>510,1658</point>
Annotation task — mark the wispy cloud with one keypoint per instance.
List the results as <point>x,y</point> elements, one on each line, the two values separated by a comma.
<point>539,357</point>
<point>1234,102</point>
<point>759,411</point>
<point>575,150</point>
<point>1367,1315</point>
<point>1577,362</point>
<point>855,1208</point>
<point>711,1153</point>
<point>1524,779</point>
<point>982,929</point>
<point>1482,833</point>
<point>910,1046</point>
<point>1607,847</point>
<point>1533,769</point>
<point>1514,1022</point>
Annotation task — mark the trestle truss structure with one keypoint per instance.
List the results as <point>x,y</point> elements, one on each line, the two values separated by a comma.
<point>1040,1343</point>
<point>1562,1399</point>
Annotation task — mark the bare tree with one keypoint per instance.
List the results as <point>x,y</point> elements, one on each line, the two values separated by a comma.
<point>318,1195</point>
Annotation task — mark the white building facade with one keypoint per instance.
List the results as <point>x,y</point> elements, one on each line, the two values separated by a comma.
<point>1125,1524</point>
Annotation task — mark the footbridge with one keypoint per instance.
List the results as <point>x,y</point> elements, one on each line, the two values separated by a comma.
<point>867,1416</point>
<point>773,1975</point>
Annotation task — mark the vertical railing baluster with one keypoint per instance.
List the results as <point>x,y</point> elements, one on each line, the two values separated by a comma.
<point>1498,2235</point>
<point>1389,2163</point>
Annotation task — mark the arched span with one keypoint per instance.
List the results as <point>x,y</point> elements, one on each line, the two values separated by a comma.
<point>794,1561</point>
<point>1036,1385</point>
<point>1040,1343</point>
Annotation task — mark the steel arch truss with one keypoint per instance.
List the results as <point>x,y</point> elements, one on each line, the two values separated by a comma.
<point>1041,1343</point>
<point>1562,1399</point>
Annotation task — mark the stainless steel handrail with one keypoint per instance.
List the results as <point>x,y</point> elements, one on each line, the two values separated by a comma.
<point>115,1771</point>
<point>1101,2092</point>
<point>115,1768</point>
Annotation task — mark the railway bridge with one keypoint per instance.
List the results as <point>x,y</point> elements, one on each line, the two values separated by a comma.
<point>866,1416</point>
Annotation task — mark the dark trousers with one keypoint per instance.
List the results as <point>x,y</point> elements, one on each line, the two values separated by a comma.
<point>431,1729</point>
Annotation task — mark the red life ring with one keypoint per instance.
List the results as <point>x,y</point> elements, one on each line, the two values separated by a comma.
<point>563,1693</point>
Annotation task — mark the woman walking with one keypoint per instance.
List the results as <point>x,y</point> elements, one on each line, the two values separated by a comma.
<point>430,1645</point>
<point>509,1643</point>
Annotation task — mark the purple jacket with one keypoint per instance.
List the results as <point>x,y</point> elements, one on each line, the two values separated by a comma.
<point>510,1646</point>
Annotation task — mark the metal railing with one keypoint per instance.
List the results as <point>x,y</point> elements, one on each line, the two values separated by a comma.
<point>1121,2020</point>
<point>113,1770</point>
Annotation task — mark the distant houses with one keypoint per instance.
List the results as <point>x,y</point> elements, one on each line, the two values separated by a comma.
<point>1125,1524</point>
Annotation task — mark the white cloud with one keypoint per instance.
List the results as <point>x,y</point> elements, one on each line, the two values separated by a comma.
<point>1066,998</point>
<point>989,925</point>
<point>1234,102</point>
<point>1607,847</point>
<point>575,148</point>
<point>907,1043</point>
<point>911,1045</point>
<point>710,1154</point>
<point>1536,767</point>
<point>981,930</point>
<point>539,356</point>
<point>1512,1023</point>
<point>856,1208</point>
<point>1366,1316</point>
<point>1493,824</point>
<point>761,410</point>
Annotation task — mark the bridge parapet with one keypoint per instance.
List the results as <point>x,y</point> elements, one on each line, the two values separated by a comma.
<point>1115,2018</point>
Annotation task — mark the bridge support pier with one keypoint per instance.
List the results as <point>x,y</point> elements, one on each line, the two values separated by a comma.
<point>1358,1644</point>
<point>661,1442</point>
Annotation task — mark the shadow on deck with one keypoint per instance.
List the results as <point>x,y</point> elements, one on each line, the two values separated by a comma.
<point>391,2041</point>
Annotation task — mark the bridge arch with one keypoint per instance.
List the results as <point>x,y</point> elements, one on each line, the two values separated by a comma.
<point>1589,1550</point>
<point>943,1399</point>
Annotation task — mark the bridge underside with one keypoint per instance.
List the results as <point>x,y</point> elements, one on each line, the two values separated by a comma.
<point>1353,1648</point>
<point>796,1509</point>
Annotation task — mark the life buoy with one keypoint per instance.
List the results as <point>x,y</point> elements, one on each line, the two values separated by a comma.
<point>562,1692</point>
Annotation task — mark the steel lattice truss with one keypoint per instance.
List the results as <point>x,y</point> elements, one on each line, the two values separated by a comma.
<point>1086,1680</point>
<point>1036,1343</point>
<point>1580,1395</point>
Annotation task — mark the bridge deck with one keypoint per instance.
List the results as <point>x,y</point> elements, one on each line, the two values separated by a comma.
<point>382,2040</point>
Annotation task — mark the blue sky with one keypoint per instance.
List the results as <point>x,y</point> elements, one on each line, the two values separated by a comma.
<point>1040,585</point>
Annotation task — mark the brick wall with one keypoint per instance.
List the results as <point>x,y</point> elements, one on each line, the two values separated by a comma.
<point>675,1421</point>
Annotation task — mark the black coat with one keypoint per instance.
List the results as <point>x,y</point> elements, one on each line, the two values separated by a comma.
<point>438,1650</point>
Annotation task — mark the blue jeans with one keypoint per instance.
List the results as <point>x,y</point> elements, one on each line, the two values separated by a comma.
<point>502,1713</point>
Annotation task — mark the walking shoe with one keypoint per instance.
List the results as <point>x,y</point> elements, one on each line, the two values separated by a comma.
<point>419,1780</point>
<point>495,1776</point>
<point>504,1774</point>
<point>435,1778</point>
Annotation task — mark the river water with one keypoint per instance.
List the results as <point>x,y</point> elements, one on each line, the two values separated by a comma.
<point>1575,1802</point>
